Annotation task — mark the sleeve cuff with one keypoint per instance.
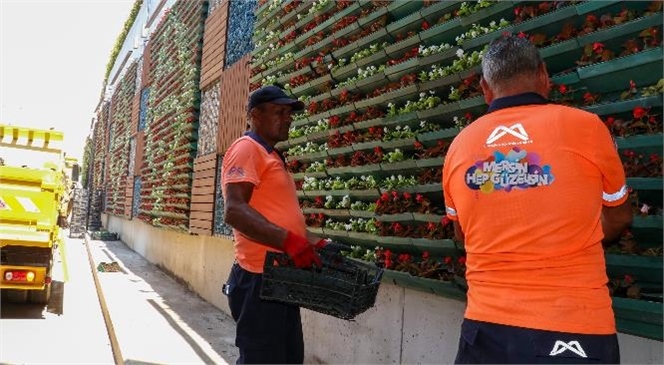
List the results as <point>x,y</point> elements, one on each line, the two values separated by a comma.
<point>616,198</point>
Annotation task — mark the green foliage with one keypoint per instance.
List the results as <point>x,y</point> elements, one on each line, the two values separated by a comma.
<point>87,161</point>
<point>121,39</point>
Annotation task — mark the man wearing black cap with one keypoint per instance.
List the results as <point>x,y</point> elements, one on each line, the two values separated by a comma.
<point>263,209</point>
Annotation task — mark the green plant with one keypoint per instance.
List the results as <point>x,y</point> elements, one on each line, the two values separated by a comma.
<point>121,39</point>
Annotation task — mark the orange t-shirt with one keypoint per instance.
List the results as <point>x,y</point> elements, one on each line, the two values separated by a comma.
<point>274,195</point>
<point>527,184</point>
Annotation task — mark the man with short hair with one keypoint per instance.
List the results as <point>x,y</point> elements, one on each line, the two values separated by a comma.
<point>533,189</point>
<point>262,207</point>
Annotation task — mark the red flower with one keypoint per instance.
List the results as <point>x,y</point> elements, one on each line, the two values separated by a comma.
<point>588,97</point>
<point>407,196</point>
<point>598,47</point>
<point>445,221</point>
<point>522,35</point>
<point>425,25</point>
<point>562,89</point>
<point>397,227</point>
<point>628,279</point>
<point>448,260</point>
<point>388,254</point>
<point>639,112</point>
<point>419,198</point>
<point>652,120</point>
<point>462,260</point>
<point>418,145</point>
<point>384,197</point>
<point>425,255</point>
<point>632,85</point>
<point>609,121</point>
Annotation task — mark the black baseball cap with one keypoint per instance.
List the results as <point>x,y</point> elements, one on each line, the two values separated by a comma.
<point>275,95</point>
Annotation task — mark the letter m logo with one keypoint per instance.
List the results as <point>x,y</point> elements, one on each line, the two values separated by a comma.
<point>560,346</point>
<point>516,130</point>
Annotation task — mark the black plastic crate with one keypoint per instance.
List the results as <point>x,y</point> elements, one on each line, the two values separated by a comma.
<point>342,288</point>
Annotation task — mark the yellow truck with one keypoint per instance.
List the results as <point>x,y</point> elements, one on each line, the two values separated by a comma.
<point>33,192</point>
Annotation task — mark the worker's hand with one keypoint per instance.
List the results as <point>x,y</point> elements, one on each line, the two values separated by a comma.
<point>332,246</point>
<point>301,251</point>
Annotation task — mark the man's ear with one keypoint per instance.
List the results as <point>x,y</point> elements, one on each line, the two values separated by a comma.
<point>486,90</point>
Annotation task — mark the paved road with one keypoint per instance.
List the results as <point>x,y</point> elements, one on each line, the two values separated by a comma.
<point>155,319</point>
<point>70,330</point>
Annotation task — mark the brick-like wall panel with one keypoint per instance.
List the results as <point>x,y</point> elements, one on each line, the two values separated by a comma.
<point>202,195</point>
<point>145,77</point>
<point>233,104</point>
<point>129,195</point>
<point>214,45</point>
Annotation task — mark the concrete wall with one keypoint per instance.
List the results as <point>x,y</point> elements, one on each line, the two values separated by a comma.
<point>203,262</point>
<point>404,327</point>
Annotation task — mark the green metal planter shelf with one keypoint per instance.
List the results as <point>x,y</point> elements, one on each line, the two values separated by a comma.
<point>397,49</point>
<point>638,317</point>
<point>652,142</point>
<point>337,213</point>
<point>496,11</point>
<point>551,21</point>
<point>444,247</point>
<point>645,183</point>
<point>399,217</point>
<point>399,166</point>
<point>401,9</point>
<point>629,29</point>
<point>442,33</point>
<point>651,221</point>
<point>362,214</point>
<point>301,175</point>
<point>644,68</point>
<point>447,289</point>
<point>625,106</point>
<point>448,133</point>
<point>646,269</point>
<point>377,58</point>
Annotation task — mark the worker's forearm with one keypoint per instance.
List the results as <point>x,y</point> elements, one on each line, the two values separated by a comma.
<point>252,224</point>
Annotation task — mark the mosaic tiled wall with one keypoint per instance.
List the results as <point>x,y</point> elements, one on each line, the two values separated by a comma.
<point>209,121</point>
<point>241,21</point>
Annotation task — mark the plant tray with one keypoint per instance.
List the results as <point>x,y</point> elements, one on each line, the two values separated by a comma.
<point>625,105</point>
<point>341,288</point>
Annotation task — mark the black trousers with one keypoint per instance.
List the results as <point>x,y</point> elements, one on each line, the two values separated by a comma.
<point>267,332</point>
<point>489,343</point>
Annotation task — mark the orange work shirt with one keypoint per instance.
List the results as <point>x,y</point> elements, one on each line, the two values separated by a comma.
<point>250,160</point>
<point>527,182</point>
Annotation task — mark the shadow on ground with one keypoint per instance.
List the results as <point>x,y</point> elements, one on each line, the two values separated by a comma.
<point>13,310</point>
<point>175,300</point>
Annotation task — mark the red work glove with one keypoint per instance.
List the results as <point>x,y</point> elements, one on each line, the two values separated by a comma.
<point>300,251</point>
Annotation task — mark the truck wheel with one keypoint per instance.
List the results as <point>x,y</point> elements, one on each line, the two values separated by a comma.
<point>40,296</point>
<point>17,295</point>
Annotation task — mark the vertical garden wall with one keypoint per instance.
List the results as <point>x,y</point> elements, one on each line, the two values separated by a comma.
<point>388,85</point>
<point>172,116</point>
<point>119,152</point>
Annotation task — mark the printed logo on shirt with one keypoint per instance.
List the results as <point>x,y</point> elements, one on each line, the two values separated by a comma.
<point>235,172</point>
<point>517,169</point>
<point>508,136</point>
<point>574,346</point>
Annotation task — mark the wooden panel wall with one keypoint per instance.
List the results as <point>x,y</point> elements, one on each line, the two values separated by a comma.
<point>214,45</point>
<point>233,104</point>
<point>202,195</point>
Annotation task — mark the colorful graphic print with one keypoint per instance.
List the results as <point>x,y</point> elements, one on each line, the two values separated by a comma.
<point>517,169</point>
